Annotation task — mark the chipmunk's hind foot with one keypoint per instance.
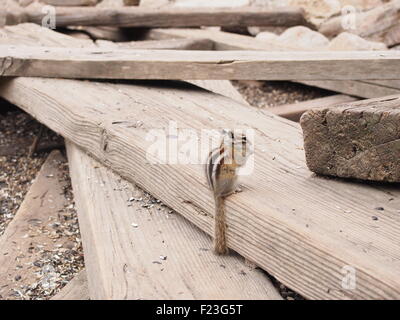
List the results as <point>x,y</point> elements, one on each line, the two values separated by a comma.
<point>220,250</point>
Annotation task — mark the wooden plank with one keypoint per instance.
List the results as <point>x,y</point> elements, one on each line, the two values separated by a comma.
<point>169,44</point>
<point>30,232</point>
<point>76,289</point>
<point>197,65</point>
<point>222,40</point>
<point>108,32</point>
<point>123,243</point>
<point>289,239</point>
<point>70,3</point>
<point>307,242</point>
<point>354,88</point>
<point>223,87</point>
<point>394,84</point>
<point>32,34</point>
<point>229,41</point>
<point>359,140</point>
<point>295,110</point>
<point>167,17</point>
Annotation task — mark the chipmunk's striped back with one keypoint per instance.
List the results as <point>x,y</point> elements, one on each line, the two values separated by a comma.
<point>214,161</point>
<point>220,171</point>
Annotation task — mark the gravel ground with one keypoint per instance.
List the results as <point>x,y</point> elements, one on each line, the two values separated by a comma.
<point>18,171</point>
<point>55,268</point>
<point>264,94</point>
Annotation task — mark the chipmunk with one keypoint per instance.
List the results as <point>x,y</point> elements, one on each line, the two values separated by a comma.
<point>221,172</point>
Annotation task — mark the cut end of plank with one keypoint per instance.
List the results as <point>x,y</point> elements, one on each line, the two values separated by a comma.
<point>358,140</point>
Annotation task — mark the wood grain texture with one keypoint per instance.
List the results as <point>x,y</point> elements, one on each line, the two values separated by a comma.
<point>30,228</point>
<point>359,140</point>
<point>123,243</point>
<point>76,289</point>
<point>295,110</point>
<point>304,241</point>
<point>196,65</point>
<point>223,87</point>
<point>32,34</point>
<point>167,17</point>
<point>230,41</point>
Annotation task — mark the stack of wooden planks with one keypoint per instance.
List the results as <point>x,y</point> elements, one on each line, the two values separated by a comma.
<point>304,230</point>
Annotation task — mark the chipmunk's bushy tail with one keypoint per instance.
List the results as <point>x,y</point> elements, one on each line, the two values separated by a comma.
<point>220,227</point>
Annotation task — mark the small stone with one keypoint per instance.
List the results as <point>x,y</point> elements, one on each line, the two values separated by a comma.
<point>375,218</point>
<point>267,36</point>
<point>380,208</point>
<point>305,38</point>
<point>69,245</point>
<point>350,42</point>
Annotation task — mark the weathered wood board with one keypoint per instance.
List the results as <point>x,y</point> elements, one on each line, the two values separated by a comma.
<point>165,17</point>
<point>70,3</point>
<point>32,34</point>
<point>361,89</point>
<point>223,87</point>
<point>133,252</point>
<point>169,44</point>
<point>306,240</point>
<point>286,237</point>
<point>295,110</point>
<point>76,289</point>
<point>118,63</point>
<point>355,140</point>
<point>230,41</point>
